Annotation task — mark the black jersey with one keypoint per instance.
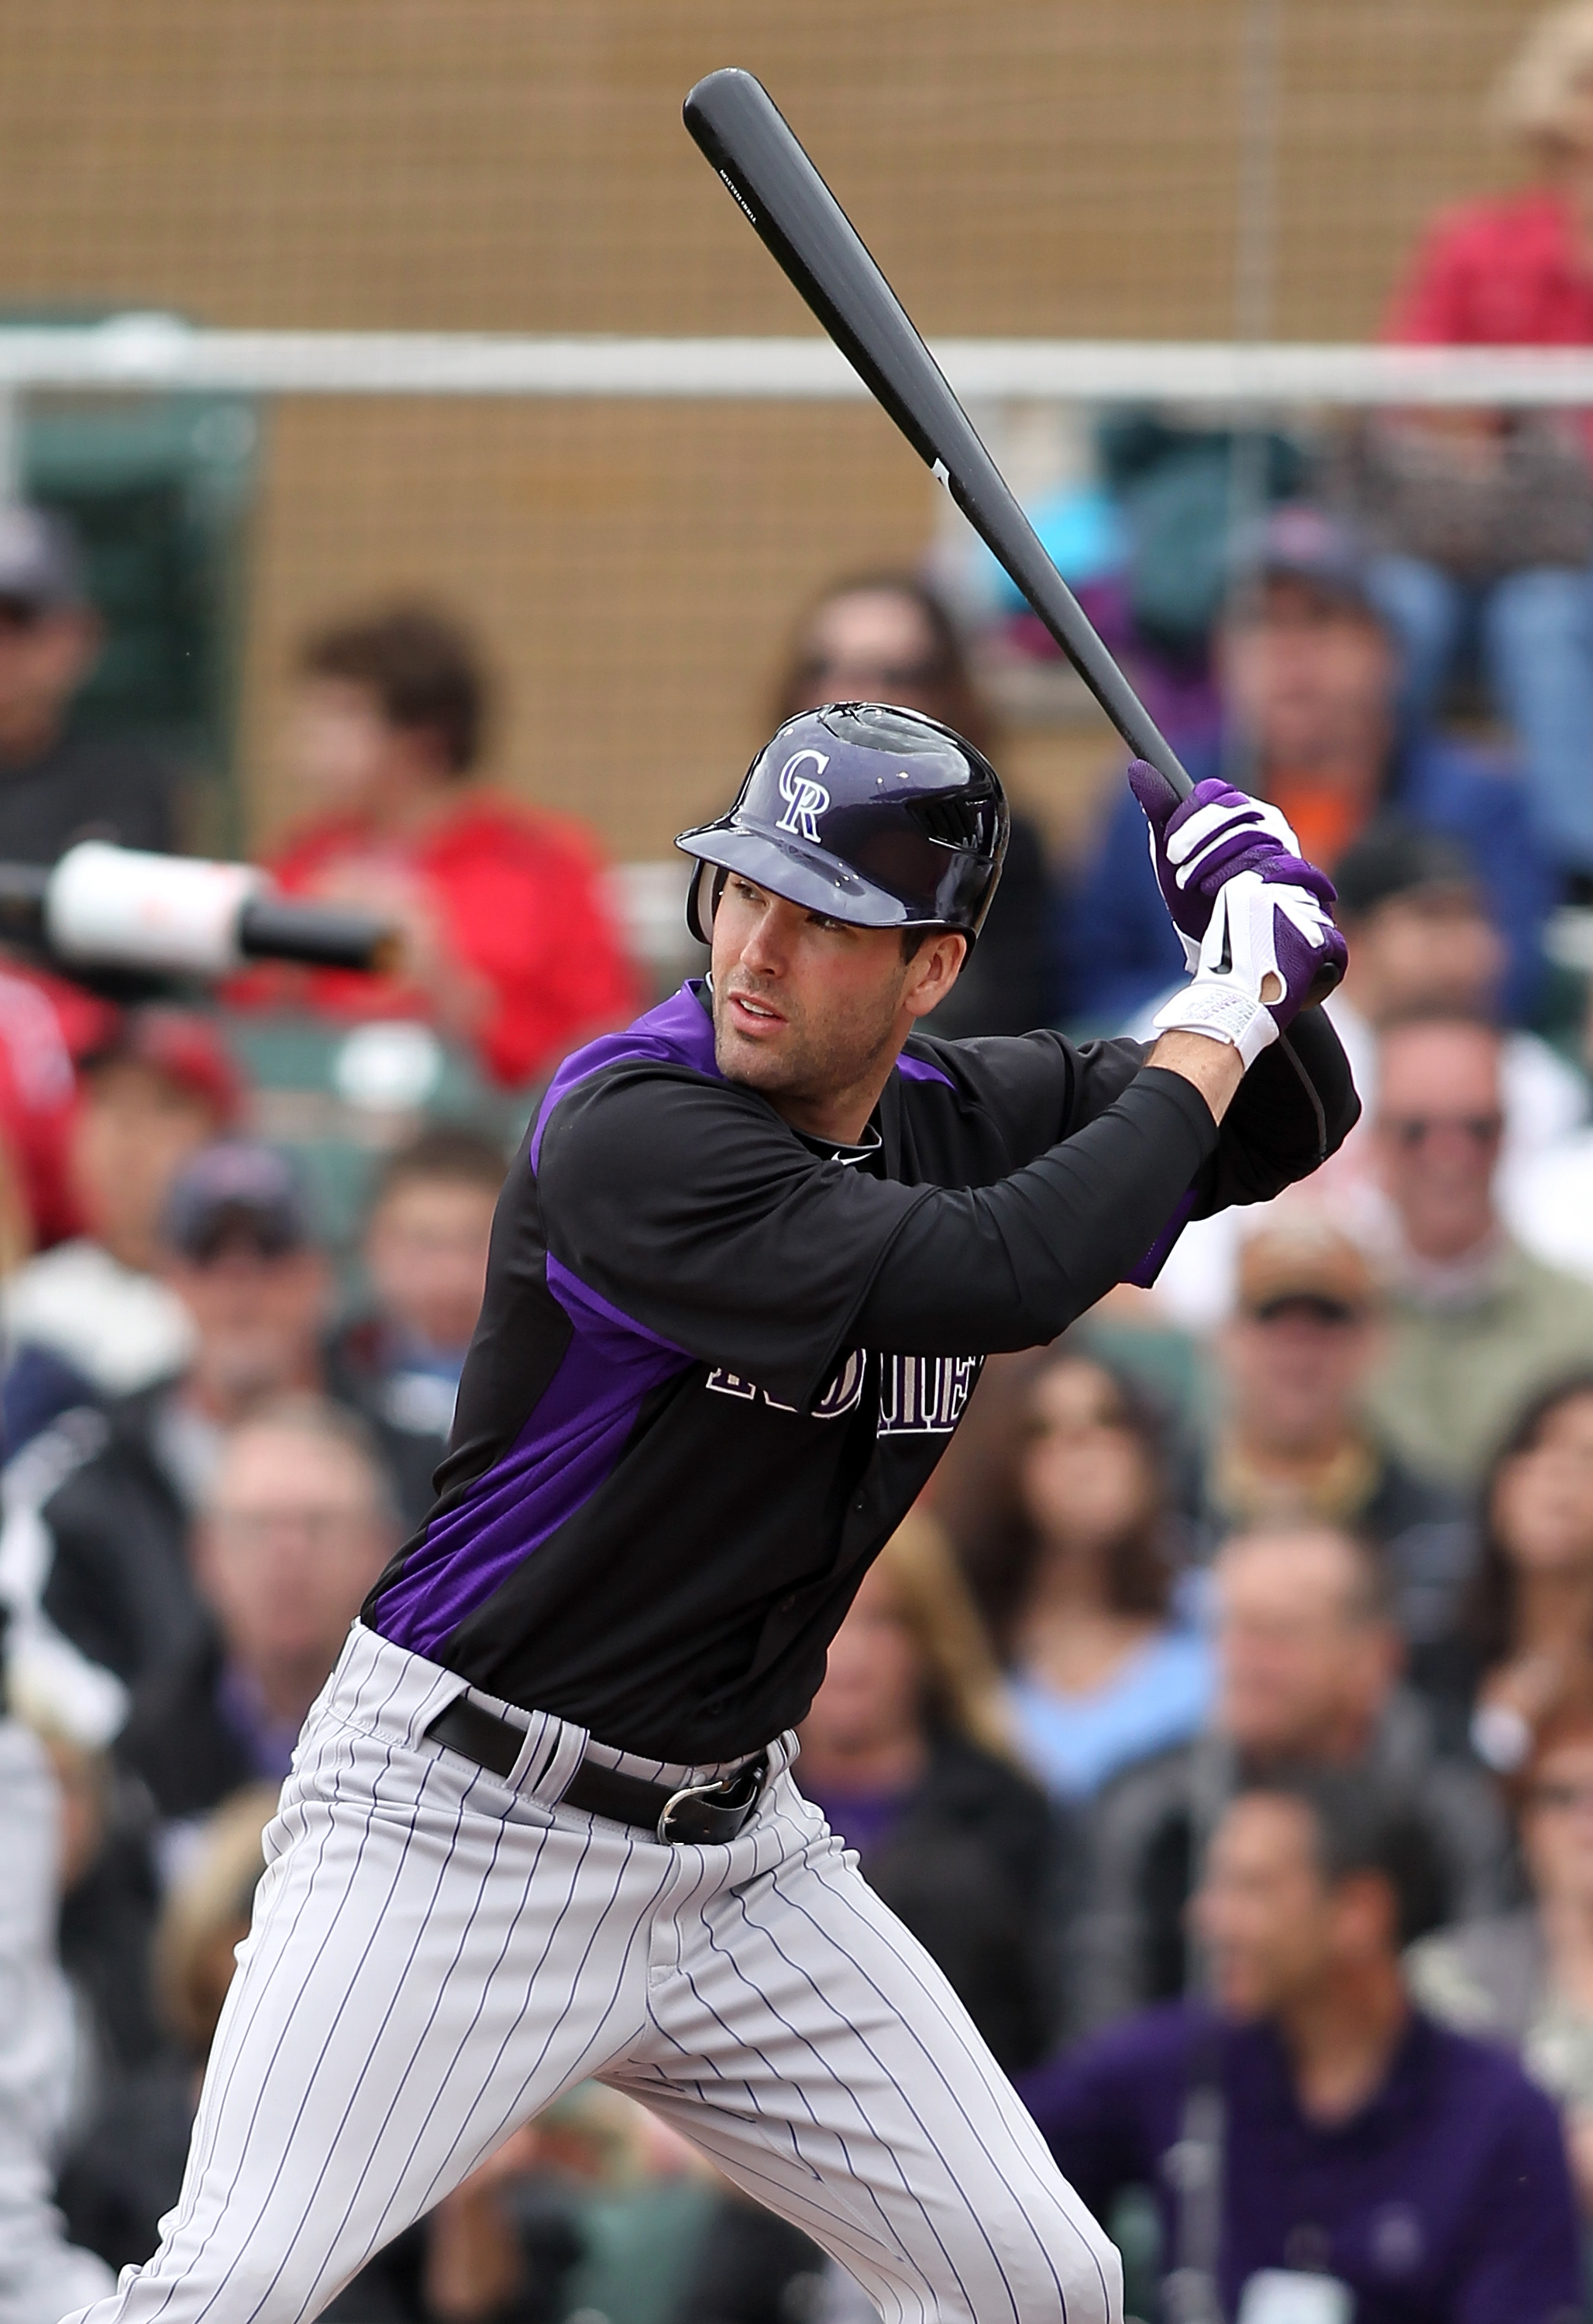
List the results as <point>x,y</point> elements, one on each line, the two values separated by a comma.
<point>716,1366</point>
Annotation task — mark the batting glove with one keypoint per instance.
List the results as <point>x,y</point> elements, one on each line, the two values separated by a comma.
<point>1200,842</point>
<point>1263,949</point>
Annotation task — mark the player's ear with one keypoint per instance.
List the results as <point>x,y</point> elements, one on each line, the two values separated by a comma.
<point>932,972</point>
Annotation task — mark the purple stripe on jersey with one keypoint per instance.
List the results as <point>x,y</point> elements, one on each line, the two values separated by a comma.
<point>1150,1267</point>
<point>919,1069</point>
<point>678,1032</point>
<point>567,1448</point>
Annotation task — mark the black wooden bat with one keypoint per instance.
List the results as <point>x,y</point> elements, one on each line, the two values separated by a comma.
<point>756,152</point>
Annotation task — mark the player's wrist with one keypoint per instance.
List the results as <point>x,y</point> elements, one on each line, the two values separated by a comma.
<point>1221,1013</point>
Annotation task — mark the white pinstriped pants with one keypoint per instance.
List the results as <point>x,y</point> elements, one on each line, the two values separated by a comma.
<point>437,1953</point>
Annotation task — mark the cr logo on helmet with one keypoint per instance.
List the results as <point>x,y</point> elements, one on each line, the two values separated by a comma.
<point>805,799</point>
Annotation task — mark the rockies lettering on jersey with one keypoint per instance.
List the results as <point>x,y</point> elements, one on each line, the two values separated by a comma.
<point>918,1395</point>
<point>717,1361</point>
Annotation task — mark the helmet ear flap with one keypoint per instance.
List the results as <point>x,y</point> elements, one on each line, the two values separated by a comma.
<point>702,899</point>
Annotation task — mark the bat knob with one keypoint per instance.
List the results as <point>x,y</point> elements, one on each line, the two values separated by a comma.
<point>1324,981</point>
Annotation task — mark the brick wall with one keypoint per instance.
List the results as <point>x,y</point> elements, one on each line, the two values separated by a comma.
<point>1022,166</point>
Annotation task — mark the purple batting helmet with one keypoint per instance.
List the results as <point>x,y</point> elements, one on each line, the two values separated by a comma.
<point>877,816</point>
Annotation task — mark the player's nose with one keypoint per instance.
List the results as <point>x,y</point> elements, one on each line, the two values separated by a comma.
<point>767,948</point>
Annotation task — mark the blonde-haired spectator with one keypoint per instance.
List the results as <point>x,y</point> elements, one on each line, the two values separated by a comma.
<point>907,1753</point>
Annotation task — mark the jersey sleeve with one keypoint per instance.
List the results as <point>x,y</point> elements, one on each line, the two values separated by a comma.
<point>691,1209</point>
<point>1295,1106</point>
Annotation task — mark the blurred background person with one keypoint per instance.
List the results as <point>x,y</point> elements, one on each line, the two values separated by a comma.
<point>1525,1643</point>
<point>290,1534</point>
<point>97,1508</point>
<point>1338,2133</point>
<point>510,947</point>
<point>1309,1660</point>
<point>58,784</point>
<point>1422,944</point>
<point>1101,1672</point>
<point>1295,1437</point>
<point>1484,520</point>
<point>1309,672</point>
<point>1473,1323</point>
<point>887,637</point>
<point>1546,1194</point>
<point>1526,1977</point>
<point>424,1249</point>
<point>92,1318</point>
<point>907,1753</point>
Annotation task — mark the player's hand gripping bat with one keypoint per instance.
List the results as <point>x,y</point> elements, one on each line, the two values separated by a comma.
<point>752,145</point>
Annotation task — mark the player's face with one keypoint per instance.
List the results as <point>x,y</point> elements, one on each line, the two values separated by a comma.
<point>812,1012</point>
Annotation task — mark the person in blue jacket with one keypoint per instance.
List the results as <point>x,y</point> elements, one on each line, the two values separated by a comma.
<point>1311,682</point>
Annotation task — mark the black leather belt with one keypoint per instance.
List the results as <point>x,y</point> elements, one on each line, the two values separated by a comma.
<point>701,1814</point>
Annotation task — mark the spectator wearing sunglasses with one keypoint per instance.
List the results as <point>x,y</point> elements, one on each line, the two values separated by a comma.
<point>1295,1437</point>
<point>887,637</point>
<point>58,783</point>
<point>1475,1324</point>
<point>98,1508</point>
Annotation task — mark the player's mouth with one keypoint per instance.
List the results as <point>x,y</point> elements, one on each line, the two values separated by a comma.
<point>756,1019</point>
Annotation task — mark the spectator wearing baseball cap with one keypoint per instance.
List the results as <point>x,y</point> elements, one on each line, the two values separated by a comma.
<point>91,1318</point>
<point>1295,1437</point>
<point>57,784</point>
<point>1309,674</point>
<point>111,1494</point>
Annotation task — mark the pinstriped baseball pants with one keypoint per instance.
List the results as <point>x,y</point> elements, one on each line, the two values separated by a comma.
<point>437,1953</point>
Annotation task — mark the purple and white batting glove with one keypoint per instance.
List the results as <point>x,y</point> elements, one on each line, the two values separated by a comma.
<point>1200,842</point>
<point>1263,949</point>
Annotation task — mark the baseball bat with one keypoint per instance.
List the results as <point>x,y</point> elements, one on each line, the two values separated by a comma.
<point>757,153</point>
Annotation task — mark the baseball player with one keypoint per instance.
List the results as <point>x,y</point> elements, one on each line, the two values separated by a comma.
<point>542,1822</point>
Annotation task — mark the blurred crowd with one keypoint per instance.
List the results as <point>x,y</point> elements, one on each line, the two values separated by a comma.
<point>1223,1722</point>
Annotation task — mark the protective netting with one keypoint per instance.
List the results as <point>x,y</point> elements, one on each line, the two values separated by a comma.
<point>1026,167</point>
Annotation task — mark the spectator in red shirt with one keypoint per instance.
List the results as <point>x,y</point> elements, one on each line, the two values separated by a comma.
<point>510,947</point>
<point>1487,518</point>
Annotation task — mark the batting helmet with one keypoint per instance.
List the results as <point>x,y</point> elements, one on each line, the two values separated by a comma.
<point>878,816</point>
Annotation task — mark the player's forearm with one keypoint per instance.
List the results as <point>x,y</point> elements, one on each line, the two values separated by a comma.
<point>1013,1264</point>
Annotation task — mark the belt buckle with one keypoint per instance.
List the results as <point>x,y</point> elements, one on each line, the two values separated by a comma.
<point>702,1797</point>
